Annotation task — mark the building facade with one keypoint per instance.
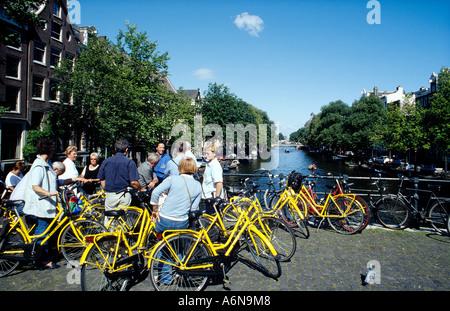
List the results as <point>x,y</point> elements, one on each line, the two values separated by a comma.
<point>27,85</point>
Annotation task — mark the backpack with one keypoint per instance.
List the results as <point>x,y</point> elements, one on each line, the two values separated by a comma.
<point>71,204</point>
<point>295,181</point>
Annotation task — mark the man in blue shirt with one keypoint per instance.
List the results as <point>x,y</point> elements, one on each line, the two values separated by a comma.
<point>116,174</point>
<point>162,164</point>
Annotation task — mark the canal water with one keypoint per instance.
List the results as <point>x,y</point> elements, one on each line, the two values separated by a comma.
<point>300,160</point>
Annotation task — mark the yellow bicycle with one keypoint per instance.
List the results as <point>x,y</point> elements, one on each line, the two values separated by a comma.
<point>186,259</point>
<point>114,260</point>
<point>20,244</point>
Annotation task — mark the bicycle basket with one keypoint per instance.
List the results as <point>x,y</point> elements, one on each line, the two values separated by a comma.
<point>71,203</point>
<point>295,181</point>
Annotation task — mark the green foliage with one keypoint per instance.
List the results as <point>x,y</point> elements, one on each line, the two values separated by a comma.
<point>29,150</point>
<point>222,107</point>
<point>22,13</point>
<point>118,91</point>
<point>367,122</point>
<point>436,120</point>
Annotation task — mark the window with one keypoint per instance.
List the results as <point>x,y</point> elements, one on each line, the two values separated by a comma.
<point>12,67</point>
<point>11,137</point>
<point>70,58</point>
<point>12,98</point>
<point>56,31</point>
<point>14,40</point>
<point>53,91</point>
<point>55,57</point>
<point>38,87</point>
<point>39,52</point>
<point>57,9</point>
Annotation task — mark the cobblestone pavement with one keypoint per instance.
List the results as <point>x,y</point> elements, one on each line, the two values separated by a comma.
<point>408,261</point>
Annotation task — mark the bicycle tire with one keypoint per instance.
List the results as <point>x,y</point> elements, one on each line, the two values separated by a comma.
<point>280,235</point>
<point>266,263</point>
<point>351,222</point>
<point>437,216</point>
<point>291,217</point>
<point>95,274</point>
<point>163,265</point>
<point>392,213</point>
<point>367,212</point>
<point>70,245</point>
<point>8,265</point>
<point>287,215</point>
<point>448,224</point>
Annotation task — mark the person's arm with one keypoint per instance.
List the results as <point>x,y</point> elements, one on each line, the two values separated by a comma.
<point>219,186</point>
<point>41,191</point>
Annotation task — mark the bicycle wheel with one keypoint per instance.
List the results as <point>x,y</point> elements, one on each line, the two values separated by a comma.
<point>95,272</point>
<point>69,242</point>
<point>287,214</point>
<point>344,215</point>
<point>392,214</point>
<point>166,273</point>
<point>366,212</point>
<point>448,224</point>
<point>7,262</point>
<point>232,212</point>
<point>438,215</point>
<point>291,216</point>
<point>280,235</point>
<point>266,262</point>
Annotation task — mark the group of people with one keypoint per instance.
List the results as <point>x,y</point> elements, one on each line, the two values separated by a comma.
<point>174,190</point>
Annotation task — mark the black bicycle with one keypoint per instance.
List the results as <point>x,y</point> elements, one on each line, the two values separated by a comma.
<point>403,210</point>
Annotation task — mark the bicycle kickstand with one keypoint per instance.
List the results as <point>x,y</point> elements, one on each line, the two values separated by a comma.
<point>226,279</point>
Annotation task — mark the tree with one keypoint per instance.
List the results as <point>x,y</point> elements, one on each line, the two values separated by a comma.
<point>361,124</point>
<point>331,124</point>
<point>436,119</point>
<point>23,14</point>
<point>118,90</point>
<point>222,107</point>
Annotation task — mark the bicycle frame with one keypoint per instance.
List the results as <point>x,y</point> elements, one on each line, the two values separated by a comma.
<point>145,229</point>
<point>243,224</point>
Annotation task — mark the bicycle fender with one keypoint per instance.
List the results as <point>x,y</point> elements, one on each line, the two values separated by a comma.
<point>263,237</point>
<point>96,237</point>
<point>85,253</point>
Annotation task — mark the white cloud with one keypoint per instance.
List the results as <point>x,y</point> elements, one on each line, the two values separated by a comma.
<point>253,24</point>
<point>204,74</point>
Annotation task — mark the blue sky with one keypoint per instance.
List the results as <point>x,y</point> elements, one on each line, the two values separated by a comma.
<point>286,57</point>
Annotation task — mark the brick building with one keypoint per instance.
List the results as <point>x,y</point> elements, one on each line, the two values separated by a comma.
<point>27,86</point>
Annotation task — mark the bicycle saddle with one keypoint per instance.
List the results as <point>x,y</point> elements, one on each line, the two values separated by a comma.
<point>115,213</point>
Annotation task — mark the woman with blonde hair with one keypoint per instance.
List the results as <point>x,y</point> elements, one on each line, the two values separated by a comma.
<point>69,162</point>
<point>184,194</point>
<point>213,176</point>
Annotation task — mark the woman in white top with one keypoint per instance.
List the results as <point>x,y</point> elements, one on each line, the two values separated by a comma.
<point>69,162</point>
<point>41,193</point>
<point>15,175</point>
<point>213,176</point>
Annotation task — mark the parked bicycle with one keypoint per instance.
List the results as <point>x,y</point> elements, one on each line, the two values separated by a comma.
<point>20,244</point>
<point>113,260</point>
<point>186,259</point>
<point>402,210</point>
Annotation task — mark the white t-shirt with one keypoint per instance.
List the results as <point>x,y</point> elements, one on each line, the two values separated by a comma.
<point>213,174</point>
<point>71,170</point>
<point>12,179</point>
